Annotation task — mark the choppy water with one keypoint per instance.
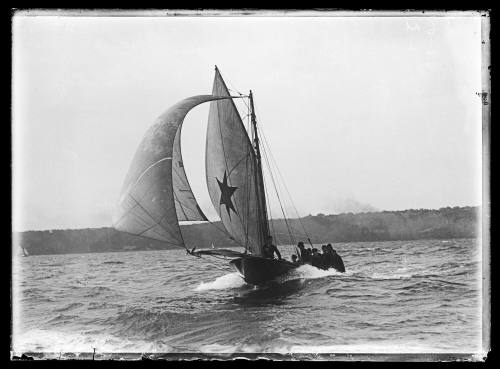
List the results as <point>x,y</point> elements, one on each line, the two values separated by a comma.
<point>405,296</point>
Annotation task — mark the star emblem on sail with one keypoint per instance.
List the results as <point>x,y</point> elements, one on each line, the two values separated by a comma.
<point>226,192</point>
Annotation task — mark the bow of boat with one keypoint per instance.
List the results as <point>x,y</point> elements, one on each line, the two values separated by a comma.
<point>258,270</point>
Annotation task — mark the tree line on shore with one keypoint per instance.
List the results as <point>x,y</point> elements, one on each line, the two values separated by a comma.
<point>414,224</point>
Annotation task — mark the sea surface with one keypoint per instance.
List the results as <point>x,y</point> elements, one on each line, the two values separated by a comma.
<point>403,296</point>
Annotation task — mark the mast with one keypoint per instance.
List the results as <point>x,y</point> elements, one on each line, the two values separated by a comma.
<point>259,179</point>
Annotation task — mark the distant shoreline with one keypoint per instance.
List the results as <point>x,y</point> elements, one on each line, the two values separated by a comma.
<point>406,225</point>
<point>232,247</point>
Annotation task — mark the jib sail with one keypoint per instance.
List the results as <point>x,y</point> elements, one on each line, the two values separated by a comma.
<point>231,166</point>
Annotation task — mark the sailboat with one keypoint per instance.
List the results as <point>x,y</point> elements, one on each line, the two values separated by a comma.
<point>156,194</point>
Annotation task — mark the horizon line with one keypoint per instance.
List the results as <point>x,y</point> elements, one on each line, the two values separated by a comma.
<point>290,218</point>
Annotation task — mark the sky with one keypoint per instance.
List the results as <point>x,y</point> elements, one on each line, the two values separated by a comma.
<point>376,112</point>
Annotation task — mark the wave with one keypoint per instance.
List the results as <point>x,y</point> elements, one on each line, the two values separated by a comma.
<point>53,341</point>
<point>62,318</point>
<point>433,285</point>
<point>52,344</point>
<point>382,276</point>
<point>149,323</point>
<point>69,307</point>
<point>97,290</point>
<point>405,273</point>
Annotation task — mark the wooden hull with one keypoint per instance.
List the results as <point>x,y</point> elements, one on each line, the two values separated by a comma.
<point>258,270</point>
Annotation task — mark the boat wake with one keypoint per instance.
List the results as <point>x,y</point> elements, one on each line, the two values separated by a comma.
<point>227,281</point>
<point>234,280</point>
<point>307,271</point>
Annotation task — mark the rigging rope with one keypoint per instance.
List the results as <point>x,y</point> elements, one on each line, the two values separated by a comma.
<point>265,187</point>
<point>286,188</point>
<point>275,186</point>
<point>247,184</point>
<point>266,144</point>
<point>273,231</point>
<point>233,88</point>
<point>266,149</point>
<point>290,233</point>
<point>268,206</point>
<point>277,192</point>
<point>270,214</point>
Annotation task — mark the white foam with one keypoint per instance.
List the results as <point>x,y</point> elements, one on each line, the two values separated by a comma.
<point>230,349</point>
<point>234,280</point>
<point>51,341</point>
<point>227,281</point>
<point>386,347</point>
<point>307,271</point>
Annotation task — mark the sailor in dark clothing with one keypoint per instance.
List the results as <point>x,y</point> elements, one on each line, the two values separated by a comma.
<point>305,254</point>
<point>272,249</point>
<point>337,262</point>
<point>302,250</point>
<point>266,252</point>
<point>294,259</point>
<point>308,254</point>
<point>315,258</point>
<point>325,258</point>
<point>328,258</point>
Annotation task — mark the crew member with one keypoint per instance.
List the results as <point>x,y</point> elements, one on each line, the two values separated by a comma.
<point>300,246</point>
<point>309,254</point>
<point>329,256</point>
<point>266,252</point>
<point>272,249</point>
<point>306,253</point>
<point>294,259</point>
<point>337,262</point>
<point>325,258</point>
<point>315,258</point>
